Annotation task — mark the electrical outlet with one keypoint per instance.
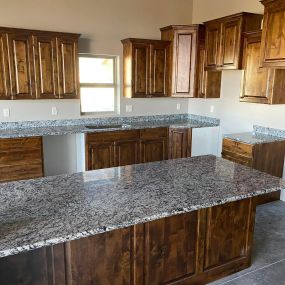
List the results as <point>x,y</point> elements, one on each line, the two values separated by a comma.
<point>54,111</point>
<point>129,108</point>
<point>212,109</point>
<point>178,106</point>
<point>6,113</point>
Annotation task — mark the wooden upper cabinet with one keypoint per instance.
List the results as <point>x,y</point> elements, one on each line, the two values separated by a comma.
<point>38,64</point>
<point>224,40</point>
<point>185,42</point>
<point>260,85</point>
<point>68,66</point>
<point>146,68</point>
<point>22,71</point>
<point>273,41</point>
<point>46,67</point>
<point>5,88</point>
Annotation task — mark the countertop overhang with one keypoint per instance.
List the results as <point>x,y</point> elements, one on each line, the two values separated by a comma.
<point>52,210</point>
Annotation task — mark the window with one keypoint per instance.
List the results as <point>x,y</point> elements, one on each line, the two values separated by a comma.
<point>98,83</point>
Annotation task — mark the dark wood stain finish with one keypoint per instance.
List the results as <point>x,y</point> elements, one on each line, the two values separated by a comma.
<point>180,143</point>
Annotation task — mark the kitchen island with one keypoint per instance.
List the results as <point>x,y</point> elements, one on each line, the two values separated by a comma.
<point>184,221</point>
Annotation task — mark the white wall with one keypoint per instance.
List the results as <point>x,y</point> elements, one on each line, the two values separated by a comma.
<point>102,24</point>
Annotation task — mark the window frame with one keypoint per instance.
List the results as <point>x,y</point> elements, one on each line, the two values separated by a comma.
<point>114,85</point>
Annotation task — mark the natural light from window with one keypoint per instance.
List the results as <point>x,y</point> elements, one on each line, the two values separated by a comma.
<point>97,83</point>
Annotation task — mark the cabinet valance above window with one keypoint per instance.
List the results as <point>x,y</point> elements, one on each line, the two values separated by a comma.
<point>38,65</point>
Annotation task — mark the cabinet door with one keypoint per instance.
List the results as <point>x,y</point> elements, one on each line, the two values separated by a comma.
<point>46,67</point>
<point>255,78</point>
<point>127,152</point>
<point>5,90</point>
<point>140,70</point>
<point>273,41</point>
<point>100,155</point>
<point>154,145</point>
<point>159,69</point>
<point>68,67</point>
<point>230,43</point>
<point>170,249</point>
<point>180,143</point>
<point>213,35</point>
<point>22,65</point>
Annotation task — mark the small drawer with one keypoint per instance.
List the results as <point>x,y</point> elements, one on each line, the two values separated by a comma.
<point>154,133</point>
<point>18,144</point>
<point>112,136</point>
<point>237,158</point>
<point>19,172</point>
<point>240,148</point>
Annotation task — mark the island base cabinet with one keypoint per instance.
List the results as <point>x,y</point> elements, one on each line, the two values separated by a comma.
<point>192,248</point>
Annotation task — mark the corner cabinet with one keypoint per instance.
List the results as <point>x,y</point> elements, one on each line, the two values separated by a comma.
<point>38,64</point>
<point>146,68</point>
<point>184,58</point>
<point>273,43</point>
<point>224,40</point>
<point>260,85</point>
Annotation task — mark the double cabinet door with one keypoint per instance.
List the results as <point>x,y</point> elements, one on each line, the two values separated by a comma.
<point>146,68</point>
<point>38,65</point>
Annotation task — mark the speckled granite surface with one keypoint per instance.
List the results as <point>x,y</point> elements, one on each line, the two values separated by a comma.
<point>64,127</point>
<point>259,135</point>
<point>52,210</point>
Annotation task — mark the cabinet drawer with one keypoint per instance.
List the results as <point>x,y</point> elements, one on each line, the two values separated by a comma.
<point>18,144</point>
<point>239,148</point>
<point>20,157</point>
<point>154,133</point>
<point>112,136</point>
<point>237,158</point>
<point>18,172</point>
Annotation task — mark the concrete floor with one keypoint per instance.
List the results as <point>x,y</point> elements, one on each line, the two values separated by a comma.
<point>268,262</point>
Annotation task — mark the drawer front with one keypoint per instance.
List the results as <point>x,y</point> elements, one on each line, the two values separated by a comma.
<point>20,157</point>
<point>237,158</point>
<point>154,133</point>
<point>19,144</point>
<point>112,136</point>
<point>239,148</point>
<point>18,172</point>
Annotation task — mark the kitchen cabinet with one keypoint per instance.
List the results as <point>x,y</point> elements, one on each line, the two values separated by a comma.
<point>146,68</point>
<point>154,144</point>
<point>180,142</point>
<point>110,149</point>
<point>192,248</point>
<point>273,43</point>
<point>224,40</point>
<point>209,81</point>
<point>184,58</point>
<point>260,85</point>
<point>20,158</point>
<point>266,157</point>
<point>38,64</point>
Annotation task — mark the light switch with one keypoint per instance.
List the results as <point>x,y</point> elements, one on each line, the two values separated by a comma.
<point>54,111</point>
<point>129,108</point>
<point>6,112</point>
<point>178,106</point>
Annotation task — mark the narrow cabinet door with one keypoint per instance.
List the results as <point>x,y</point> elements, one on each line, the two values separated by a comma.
<point>230,44</point>
<point>140,69</point>
<point>180,143</point>
<point>46,67</point>
<point>68,67</point>
<point>5,90</point>
<point>22,65</point>
<point>159,68</point>
<point>127,152</point>
<point>213,32</point>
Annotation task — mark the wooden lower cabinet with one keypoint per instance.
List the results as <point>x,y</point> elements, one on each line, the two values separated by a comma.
<point>192,248</point>
<point>180,141</point>
<point>21,158</point>
<point>266,157</point>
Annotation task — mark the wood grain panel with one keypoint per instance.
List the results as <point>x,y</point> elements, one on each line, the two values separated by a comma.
<point>180,142</point>
<point>240,148</point>
<point>127,152</point>
<point>5,88</point>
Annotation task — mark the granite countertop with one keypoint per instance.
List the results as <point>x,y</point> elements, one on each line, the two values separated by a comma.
<point>258,136</point>
<point>52,210</point>
<point>64,127</point>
